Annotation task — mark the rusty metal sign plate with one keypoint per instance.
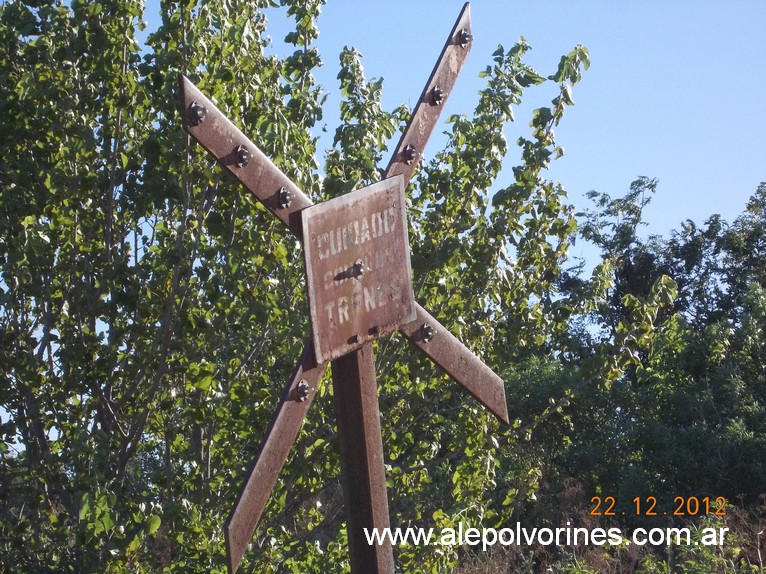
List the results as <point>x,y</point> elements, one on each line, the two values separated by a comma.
<point>358,268</point>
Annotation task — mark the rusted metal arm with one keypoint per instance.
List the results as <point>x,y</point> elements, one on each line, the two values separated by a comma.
<point>435,93</point>
<point>258,174</point>
<point>234,151</point>
<point>445,350</point>
<point>458,362</point>
<point>280,436</point>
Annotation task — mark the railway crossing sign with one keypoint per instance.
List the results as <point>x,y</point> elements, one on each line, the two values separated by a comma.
<point>359,282</point>
<point>358,267</point>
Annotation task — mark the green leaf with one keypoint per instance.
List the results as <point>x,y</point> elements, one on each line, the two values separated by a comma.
<point>85,505</point>
<point>204,384</point>
<point>153,524</point>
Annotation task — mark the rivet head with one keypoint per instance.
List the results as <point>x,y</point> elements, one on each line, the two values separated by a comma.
<point>437,96</point>
<point>303,390</point>
<point>243,156</point>
<point>359,268</point>
<point>285,198</point>
<point>410,154</point>
<point>428,332</point>
<point>197,113</point>
<point>464,37</point>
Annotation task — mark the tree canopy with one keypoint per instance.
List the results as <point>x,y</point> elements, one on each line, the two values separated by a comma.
<point>150,311</point>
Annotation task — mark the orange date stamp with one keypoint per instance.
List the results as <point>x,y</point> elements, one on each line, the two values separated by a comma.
<point>647,506</point>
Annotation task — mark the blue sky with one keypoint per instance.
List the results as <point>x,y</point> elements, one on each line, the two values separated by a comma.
<point>675,91</point>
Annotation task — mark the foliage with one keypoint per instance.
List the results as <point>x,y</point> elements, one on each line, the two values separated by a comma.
<point>150,311</point>
<point>676,405</point>
<point>693,394</point>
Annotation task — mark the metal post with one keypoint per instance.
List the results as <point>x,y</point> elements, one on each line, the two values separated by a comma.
<point>361,459</point>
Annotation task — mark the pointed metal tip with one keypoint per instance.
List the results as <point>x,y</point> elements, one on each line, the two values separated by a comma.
<point>183,82</point>
<point>232,562</point>
<point>498,405</point>
<point>503,416</point>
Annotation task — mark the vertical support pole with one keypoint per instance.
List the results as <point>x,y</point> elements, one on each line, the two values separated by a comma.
<point>361,456</point>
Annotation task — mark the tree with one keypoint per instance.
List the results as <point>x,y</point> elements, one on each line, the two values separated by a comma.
<point>146,305</point>
<point>654,390</point>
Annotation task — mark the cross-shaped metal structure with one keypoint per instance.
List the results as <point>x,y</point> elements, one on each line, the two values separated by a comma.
<point>360,288</point>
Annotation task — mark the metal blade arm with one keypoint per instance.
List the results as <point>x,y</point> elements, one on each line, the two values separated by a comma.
<point>281,434</point>
<point>458,361</point>
<point>443,348</point>
<point>431,102</point>
<point>234,151</point>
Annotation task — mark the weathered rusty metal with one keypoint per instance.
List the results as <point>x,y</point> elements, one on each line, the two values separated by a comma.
<point>227,135</point>
<point>229,146</point>
<point>353,374</point>
<point>281,434</point>
<point>358,270</point>
<point>426,112</point>
<point>458,362</point>
<point>447,352</point>
<point>361,457</point>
